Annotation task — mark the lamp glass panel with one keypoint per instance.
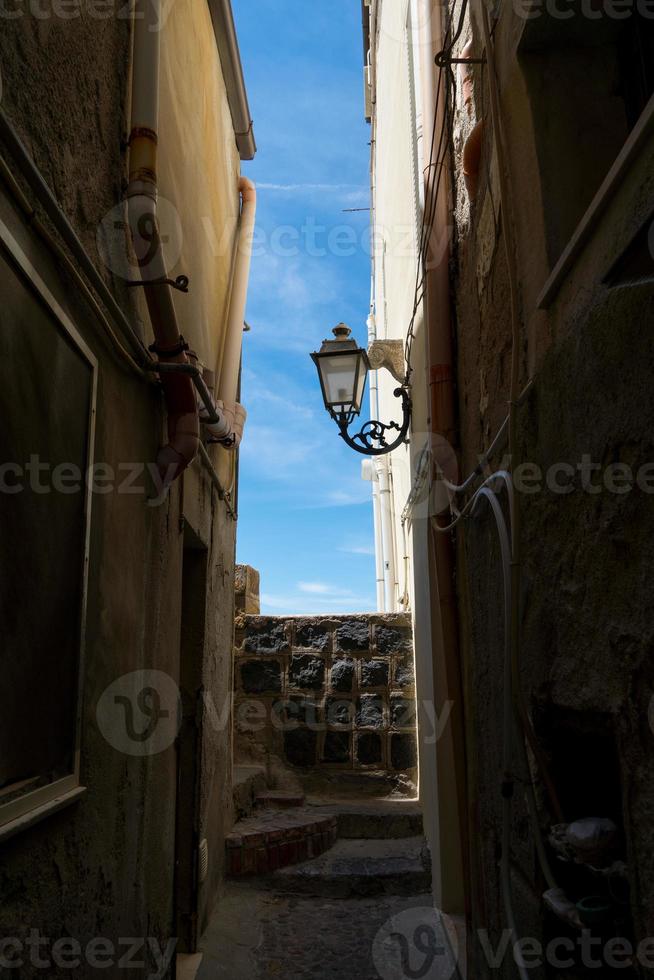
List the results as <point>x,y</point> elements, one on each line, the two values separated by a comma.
<point>339,373</point>
<point>361,386</point>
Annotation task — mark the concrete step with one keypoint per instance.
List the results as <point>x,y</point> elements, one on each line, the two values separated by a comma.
<point>271,839</point>
<point>378,820</point>
<point>248,782</point>
<point>279,798</point>
<point>360,868</point>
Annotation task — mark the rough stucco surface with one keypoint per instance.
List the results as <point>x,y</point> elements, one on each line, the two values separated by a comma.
<point>64,87</point>
<point>587,637</point>
<point>199,174</point>
<point>104,867</point>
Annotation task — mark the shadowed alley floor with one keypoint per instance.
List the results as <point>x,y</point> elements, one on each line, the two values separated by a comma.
<point>362,910</point>
<point>259,934</point>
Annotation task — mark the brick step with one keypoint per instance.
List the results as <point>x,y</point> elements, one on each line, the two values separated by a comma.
<point>279,798</point>
<point>356,868</point>
<point>273,839</point>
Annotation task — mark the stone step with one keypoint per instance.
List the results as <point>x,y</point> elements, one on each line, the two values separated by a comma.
<point>279,798</point>
<point>379,820</point>
<point>354,868</point>
<point>272,839</point>
<point>248,782</point>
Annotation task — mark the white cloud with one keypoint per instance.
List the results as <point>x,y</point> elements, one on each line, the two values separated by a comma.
<point>273,454</point>
<point>350,189</point>
<point>279,392</point>
<point>363,549</point>
<point>353,497</point>
<point>325,589</point>
<point>316,588</point>
<point>311,605</point>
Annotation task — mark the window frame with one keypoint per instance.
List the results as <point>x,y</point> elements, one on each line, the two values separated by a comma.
<point>26,810</point>
<point>606,193</point>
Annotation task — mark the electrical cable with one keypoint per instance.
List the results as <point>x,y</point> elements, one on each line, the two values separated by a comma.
<point>429,212</point>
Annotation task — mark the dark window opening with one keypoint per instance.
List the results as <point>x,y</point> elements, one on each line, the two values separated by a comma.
<point>636,58</point>
<point>589,82</point>
<point>46,395</point>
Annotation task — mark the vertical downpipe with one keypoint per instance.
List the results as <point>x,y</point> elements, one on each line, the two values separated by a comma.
<point>376,500</point>
<point>179,393</point>
<point>440,380</point>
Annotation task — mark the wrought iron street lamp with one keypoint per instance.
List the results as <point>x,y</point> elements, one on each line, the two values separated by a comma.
<point>343,369</point>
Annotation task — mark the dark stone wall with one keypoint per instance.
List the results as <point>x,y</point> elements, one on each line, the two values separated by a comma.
<point>327,693</point>
<point>586,595</point>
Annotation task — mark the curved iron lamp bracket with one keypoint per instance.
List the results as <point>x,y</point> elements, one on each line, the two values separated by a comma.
<point>372,440</point>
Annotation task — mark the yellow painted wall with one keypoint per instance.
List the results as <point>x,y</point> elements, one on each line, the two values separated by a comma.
<point>199,167</point>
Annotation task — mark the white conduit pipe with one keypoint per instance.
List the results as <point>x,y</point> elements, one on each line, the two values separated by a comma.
<point>379,550</point>
<point>508,779</point>
<point>490,495</point>
<point>380,565</point>
<point>383,476</point>
<point>235,414</point>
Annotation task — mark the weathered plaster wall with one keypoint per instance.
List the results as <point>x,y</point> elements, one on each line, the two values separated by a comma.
<point>102,867</point>
<point>329,696</point>
<point>200,168</point>
<point>105,866</point>
<point>398,161</point>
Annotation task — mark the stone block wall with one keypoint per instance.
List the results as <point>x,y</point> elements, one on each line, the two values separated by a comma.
<point>246,588</point>
<point>327,693</point>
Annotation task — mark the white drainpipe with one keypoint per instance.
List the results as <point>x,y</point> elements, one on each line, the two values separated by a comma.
<point>379,548</point>
<point>380,565</point>
<point>231,359</point>
<point>377,470</point>
<point>386,505</point>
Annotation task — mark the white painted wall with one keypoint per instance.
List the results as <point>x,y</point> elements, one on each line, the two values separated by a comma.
<point>395,256</point>
<point>397,179</point>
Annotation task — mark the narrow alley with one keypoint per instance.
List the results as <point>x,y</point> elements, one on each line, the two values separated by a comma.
<point>355,901</point>
<point>326,477</point>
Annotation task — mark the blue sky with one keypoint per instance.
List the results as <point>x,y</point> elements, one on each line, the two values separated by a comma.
<point>305,517</point>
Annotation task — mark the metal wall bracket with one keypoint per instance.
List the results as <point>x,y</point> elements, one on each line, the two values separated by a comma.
<point>161,367</point>
<point>181,283</point>
<point>443,60</point>
<point>371,439</point>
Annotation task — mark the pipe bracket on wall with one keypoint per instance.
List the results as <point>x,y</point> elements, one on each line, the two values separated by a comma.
<point>443,60</point>
<point>181,283</point>
<point>158,367</point>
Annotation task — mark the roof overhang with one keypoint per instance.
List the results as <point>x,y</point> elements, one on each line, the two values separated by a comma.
<point>230,59</point>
